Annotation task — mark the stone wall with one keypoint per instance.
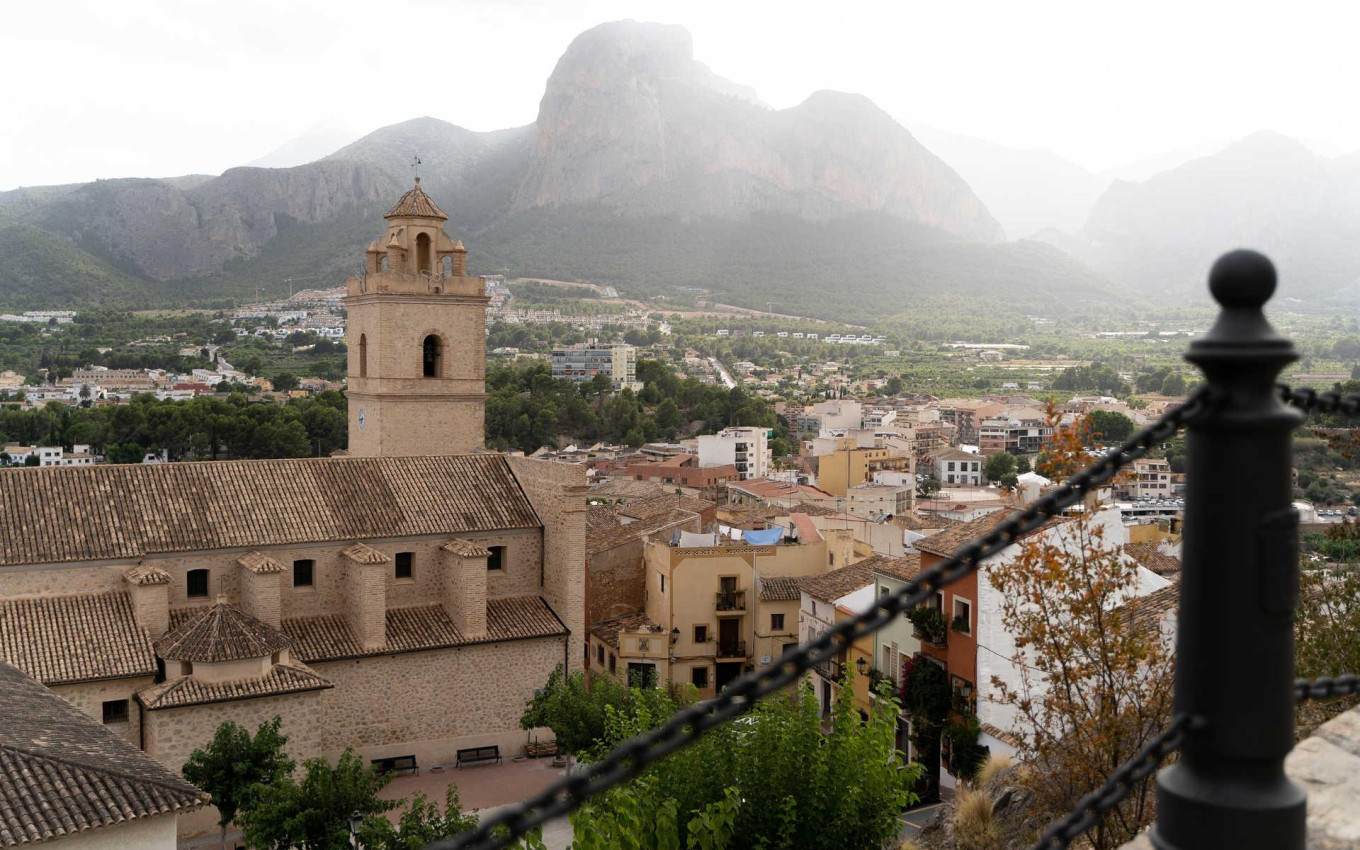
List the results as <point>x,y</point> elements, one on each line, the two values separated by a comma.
<point>427,703</point>
<point>557,492</point>
<point>90,697</point>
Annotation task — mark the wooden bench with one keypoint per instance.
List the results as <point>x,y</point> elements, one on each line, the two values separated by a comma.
<point>395,763</point>
<point>476,754</point>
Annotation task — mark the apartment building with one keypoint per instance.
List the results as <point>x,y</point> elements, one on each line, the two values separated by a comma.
<point>1020,431</point>
<point>714,611</point>
<point>583,363</point>
<point>747,449</point>
<point>954,466</point>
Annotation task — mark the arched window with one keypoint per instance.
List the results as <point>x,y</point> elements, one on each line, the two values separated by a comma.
<point>363,356</point>
<point>198,584</point>
<point>447,266</point>
<point>423,253</point>
<point>432,353</point>
<point>382,265</point>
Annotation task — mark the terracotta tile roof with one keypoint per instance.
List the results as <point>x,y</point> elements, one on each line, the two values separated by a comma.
<point>814,509</point>
<point>946,542</point>
<point>114,511</point>
<point>779,589</point>
<point>1150,556</point>
<point>837,583</point>
<point>146,574</point>
<point>221,633</point>
<point>1003,736</point>
<point>626,489</point>
<point>62,772</point>
<point>603,539</point>
<point>1147,613</point>
<point>64,639</point>
<point>258,562</point>
<point>608,630</point>
<point>665,505</point>
<point>416,203</point>
<point>283,679</point>
<point>600,517</point>
<point>466,548</point>
<point>914,523</point>
<point>951,453</point>
<point>363,554</point>
<point>328,637</point>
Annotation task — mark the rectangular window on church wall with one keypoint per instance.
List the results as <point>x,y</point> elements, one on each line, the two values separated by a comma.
<point>198,584</point>
<point>303,570</point>
<point>496,560</point>
<point>116,711</point>
<point>406,564</point>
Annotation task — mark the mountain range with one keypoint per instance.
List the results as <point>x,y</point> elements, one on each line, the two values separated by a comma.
<point>647,171</point>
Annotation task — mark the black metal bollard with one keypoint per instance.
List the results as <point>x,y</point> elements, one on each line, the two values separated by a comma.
<point>1239,588</point>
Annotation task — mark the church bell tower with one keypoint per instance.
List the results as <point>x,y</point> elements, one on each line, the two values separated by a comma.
<point>417,340</point>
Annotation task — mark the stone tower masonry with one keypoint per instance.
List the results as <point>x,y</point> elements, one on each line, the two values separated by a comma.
<point>417,341</point>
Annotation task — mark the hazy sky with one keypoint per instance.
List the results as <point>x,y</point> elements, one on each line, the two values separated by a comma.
<point>131,88</point>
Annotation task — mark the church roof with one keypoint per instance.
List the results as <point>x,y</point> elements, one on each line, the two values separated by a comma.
<point>63,639</point>
<point>328,637</point>
<point>260,563</point>
<point>222,632</point>
<point>63,772</point>
<point>416,203</point>
<point>121,511</point>
<point>282,679</point>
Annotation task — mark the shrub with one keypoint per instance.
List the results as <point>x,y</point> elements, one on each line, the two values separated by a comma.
<point>994,765</point>
<point>975,827</point>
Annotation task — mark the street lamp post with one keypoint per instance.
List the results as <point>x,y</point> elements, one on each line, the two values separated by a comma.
<point>355,820</point>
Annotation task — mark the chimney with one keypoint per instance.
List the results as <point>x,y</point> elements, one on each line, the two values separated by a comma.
<point>366,579</point>
<point>149,588</point>
<point>260,583</point>
<point>464,596</point>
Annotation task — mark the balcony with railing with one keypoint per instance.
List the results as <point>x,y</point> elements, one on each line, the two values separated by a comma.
<point>731,649</point>
<point>730,601</point>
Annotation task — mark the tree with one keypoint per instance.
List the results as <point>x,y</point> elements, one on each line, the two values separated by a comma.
<point>1174,384</point>
<point>998,466</point>
<point>314,812</point>
<point>771,779</point>
<point>1022,465</point>
<point>234,763</point>
<point>1108,426</point>
<point>928,488</point>
<point>1093,686</point>
<point>420,824</point>
<point>574,709</point>
<point>1325,630</point>
<point>285,381</point>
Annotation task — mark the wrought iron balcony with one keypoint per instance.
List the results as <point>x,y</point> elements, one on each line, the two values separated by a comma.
<point>731,600</point>
<point>731,649</point>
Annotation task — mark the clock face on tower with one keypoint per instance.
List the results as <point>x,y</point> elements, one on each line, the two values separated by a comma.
<point>363,417</point>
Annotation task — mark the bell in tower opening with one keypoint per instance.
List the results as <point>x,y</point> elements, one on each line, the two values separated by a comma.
<point>417,340</point>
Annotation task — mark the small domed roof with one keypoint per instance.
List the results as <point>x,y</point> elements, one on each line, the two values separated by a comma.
<point>222,633</point>
<point>416,203</point>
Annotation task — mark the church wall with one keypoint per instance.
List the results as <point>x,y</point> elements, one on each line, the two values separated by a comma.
<point>90,697</point>
<point>429,704</point>
<point>557,492</point>
<point>62,580</point>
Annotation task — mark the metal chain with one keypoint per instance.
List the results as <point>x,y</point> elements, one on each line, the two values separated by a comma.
<point>1119,785</point>
<point>629,758</point>
<point>1345,685</point>
<point>1327,401</point>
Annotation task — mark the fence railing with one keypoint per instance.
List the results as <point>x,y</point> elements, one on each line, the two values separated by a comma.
<point>1235,693</point>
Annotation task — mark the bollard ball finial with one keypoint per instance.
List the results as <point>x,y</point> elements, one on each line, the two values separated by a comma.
<point>1242,279</point>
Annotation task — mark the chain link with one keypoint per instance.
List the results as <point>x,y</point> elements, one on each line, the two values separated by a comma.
<point>632,756</point>
<point>1118,785</point>
<point>1327,401</point>
<point>1345,685</point>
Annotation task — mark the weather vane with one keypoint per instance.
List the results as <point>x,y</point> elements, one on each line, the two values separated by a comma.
<point>415,165</point>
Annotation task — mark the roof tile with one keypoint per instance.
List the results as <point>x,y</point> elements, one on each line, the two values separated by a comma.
<point>222,632</point>
<point>114,511</point>
<point>65,639</point>
<point>62,772</point>
<point>283,679</point>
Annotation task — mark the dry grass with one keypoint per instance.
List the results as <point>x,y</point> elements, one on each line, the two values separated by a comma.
<point>975,827</point>
<point>991,767</point>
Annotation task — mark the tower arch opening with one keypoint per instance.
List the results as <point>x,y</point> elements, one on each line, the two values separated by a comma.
<point>423,265</point>
<point>432,352</point>
<point>363,355</point>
